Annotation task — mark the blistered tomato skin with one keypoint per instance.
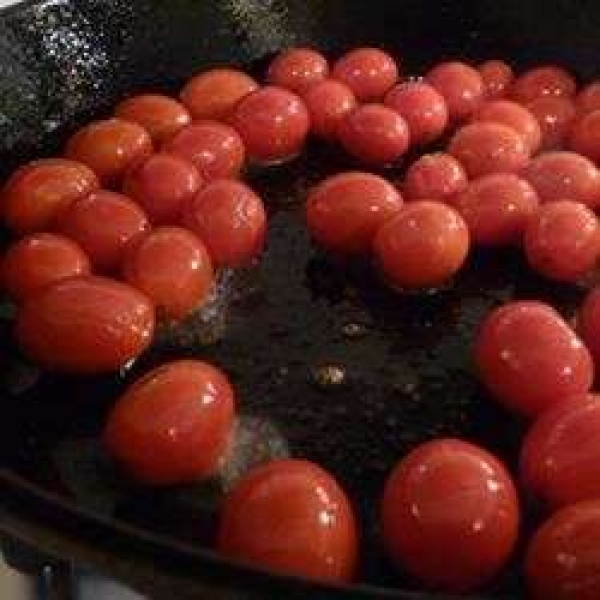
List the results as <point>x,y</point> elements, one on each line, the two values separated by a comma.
<point>497,77</point>
<point>39,191</point>
<point>328,102</point>
<point>530,359</point>
<point>562,560</point>
<point>589,323</point>
<point>110,148</point>
<point>584,137</point>
<point>555,117</point>
<point>85,325</point>
<point>173,425</point>
<point>345,211</point>
<point>368,72</point>
<point>549,80</point>
<point>297,69</point>
<point>436,176</point>
<point>301,499</point>
<point>450,515</point>
<point>588,99</point>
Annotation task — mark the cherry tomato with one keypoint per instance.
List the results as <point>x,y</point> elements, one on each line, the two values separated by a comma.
<point>297,68</point>
<point>549,80</point>
<point>173,425</point>
<point>215,149</point>
<point>423,246</point>
<point>561,175</point>
<point>273,124</point>
<point>461,86</point>
<point>213,94</point>
<point>85,324</point>
<point>374,134</point>
<point>530,359</point>
<point>487,147</point>
<point>588,99</point>
<point>434,177</point>
<point>38,260</point>
<point>496,208</point>
<point>161,116</point>
<point>172,267</point>
<point>422,107</point>
<point>589,323</point>
<point>103,224</point>
<point>584,137</point>
<point>110,148</point>
<point>230,219</point>
<point>497,77</point>
<point>515,116</point>
<point>37,192</point>
<point>450,515</point>
<point>292,517</point>
<point>368,72</point>
<point>555,116</point>
<point>328,102</point>
<point>562,561</point>
<point>345,211</point>
<point>562,241</point>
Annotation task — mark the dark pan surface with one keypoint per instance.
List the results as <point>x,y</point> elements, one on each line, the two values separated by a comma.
<point>281,328</point>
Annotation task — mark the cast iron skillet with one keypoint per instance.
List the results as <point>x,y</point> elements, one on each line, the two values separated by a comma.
<point>408,375</point>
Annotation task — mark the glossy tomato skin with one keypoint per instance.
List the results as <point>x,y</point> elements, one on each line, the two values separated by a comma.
<point>85,324</point>
<point>547,80</point>
<point>39,191</point>
<point>215,149</point>
<point>450,515</point>
<point>103,224</point>
<point>273,124</point>
<point>589,323</point>
<point>39,259</point>
<point>423,246</point>
<point>555,117</point>
<point>562,561</point>
<point>292,517</point>
<point>231,220</point>
<point>328,103</point>
<point>345,211</point>
<point>437,176</point>
<point>161,116</point>
<point>588,99</point>
<point>296,69</point>
<point>110,148</point>
<point>584,137</point>
<point>497,77</point>
<point>374,134</point>
<point>529,358</point>
<point>173,425</point>
<point>172,267</point>
<point>368,72</point>
<point>213,94</point>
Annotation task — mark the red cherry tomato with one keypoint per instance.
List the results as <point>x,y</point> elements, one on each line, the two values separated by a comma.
<point>563,175</point>
<point>213,94</point>
<point>487,147</point>
<point>530,359</point>
<point>562,561</point>
<point>588,99</point>
<point>450,515</point>
<point>515,116</point>
<point>434,177</point>
<point>215,149</point>
<point>161,116</point>
<point>589,323</point>
<point>461,86</point>
<point>497,77</point>
<point>562,241</point>
<point>422,107</point>
<point>85,324</point>
<point>172,267</point>
<point>345,211</point>
<point>496,208</point>
<point>173,425</point>
<point>374,134</point>
<point>103,224</point>
<point>292,517</point>
<point>297,68</point>
<point>584,137</point>
<point>110,148</point>
<point>38,260</point>
<point>273,124</point>
<point>555,116</point>
<point>368,72</point>
<point>328,102</point>
<point>230,219</point>
<point>423,246</point>
<point>548,80</point>
<point>37,192</point>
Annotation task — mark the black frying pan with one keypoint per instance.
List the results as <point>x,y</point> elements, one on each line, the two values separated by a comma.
<point>406,360</point>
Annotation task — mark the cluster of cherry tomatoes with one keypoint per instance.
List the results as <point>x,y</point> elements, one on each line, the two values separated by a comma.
<point>127,229</point>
